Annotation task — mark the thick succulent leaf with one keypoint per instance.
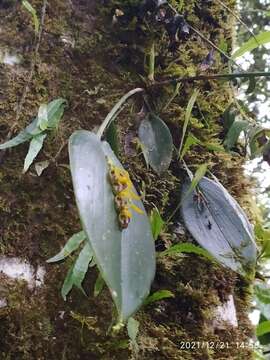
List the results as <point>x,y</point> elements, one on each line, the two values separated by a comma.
<point>157,143</point>
<point>219,225</point>
<point>25,135</point>
<point>72,244</point>
<point>126,259</point>
<point>34,148</point>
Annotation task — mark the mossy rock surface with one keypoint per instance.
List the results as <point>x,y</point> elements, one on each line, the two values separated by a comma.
<point>84,58</point>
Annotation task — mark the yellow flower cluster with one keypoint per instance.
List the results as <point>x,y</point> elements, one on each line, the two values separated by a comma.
<point>123,194</point>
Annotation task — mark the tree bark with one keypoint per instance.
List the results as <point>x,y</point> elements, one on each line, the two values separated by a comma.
<point>92,62</point>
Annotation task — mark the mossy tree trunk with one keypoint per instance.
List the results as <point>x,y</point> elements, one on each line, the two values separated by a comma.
<point>92,63</point>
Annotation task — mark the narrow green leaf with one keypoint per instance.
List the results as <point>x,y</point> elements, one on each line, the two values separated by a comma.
<point>72,244</point>
<point>68,284</point>
<point>76,273</point>
<point>33,13</point>
<point>34,148</point>
<point>263,328</point>
<point>157,143</point>
<point>43,117</point>
<point>187,248</point>
<point>25,135</point>
<point>261,39</point>
<point>113,138</point>
<point>157,223</point>
<point>189,108</point>
<point>158,295</point>
<point>199,174</point>
<point>190,141</point>
<point>116,111</point>
<point>229,117</point>
<point>99,285</point>
<point>81,266</point>
<point>55,110</point>
<point>234,132</point>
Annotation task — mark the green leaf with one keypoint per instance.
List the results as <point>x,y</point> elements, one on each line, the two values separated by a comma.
<point>125,257</point>
<point>158,295</point>
<point>261,39</point>
<point>43,117</point>
<point>257,137</point>
<point>68,284</point>
<point>252,85</point>
<point>157,223</point>
<point>81,266</point>
<point>262,292</point>
<point>190,141</point>
<point>258,355</point>
<point>157,143</point>
<point>133,328</point>
<point>25,135</point>
<point>113,138</point>
<point>219,225</point>
<point>189,108</point>
<point>263,328</point>
<point>72,244</point>
<point>234,132</point>
<point>200,172</point>
<point>33,12</point>
<point>99,285</point>
<point>115,111</point>
<point>76,273</point>
<point>187,248</point>
<point>34,148</point>
<point>229,116</point>
<point>55,111</point>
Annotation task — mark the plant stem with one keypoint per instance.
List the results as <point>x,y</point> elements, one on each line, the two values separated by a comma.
<point>152,56</point>
<point>116,110</point>
<point>209,77</point>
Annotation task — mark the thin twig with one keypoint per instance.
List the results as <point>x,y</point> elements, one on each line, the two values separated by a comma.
<point>207,40</point>
<point>209,77</point>
<point>241,21</point>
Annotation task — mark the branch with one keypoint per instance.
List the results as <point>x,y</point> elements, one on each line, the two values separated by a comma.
<point>175,81</point>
